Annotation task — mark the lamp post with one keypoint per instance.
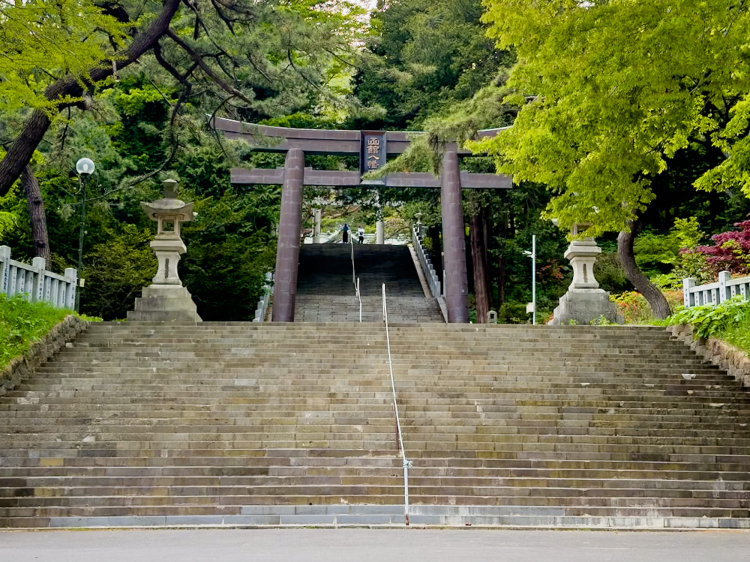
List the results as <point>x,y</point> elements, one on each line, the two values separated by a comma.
<point>532,255</point>
<point>84,168</point>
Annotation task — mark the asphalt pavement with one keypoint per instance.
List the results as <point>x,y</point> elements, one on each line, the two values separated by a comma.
<point>372,545</point>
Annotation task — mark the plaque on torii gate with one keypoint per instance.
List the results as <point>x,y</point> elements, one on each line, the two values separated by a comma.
<point>373,149</point>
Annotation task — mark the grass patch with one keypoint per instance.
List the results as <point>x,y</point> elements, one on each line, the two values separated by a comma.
<point>23,323</point>
<point>738,336</point>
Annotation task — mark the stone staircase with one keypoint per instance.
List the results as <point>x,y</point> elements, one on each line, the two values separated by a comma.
<point>258,424</point>
<point>325,288</point>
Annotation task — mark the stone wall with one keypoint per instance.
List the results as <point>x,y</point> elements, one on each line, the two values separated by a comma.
<point>24,366</point>
<point>725,355</point>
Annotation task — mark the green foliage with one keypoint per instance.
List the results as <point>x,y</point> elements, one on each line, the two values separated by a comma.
<point>7,222</point>
<point>656,253</point>
<point>610,274</point>
<point>615,90</point>
<point>425,56</point>
<point>513,312</point>
<point>22,323</point>
<point>117,270</point>
<point>712,320</point>
<point>602,321</point>
<point>738,334</point>
<point>636,310</point>
<point>230,249</point>
<point>42,41</point>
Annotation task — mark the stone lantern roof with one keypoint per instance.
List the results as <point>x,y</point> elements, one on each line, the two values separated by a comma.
<point>169,207</point>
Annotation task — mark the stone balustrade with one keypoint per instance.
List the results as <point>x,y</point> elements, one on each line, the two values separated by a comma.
<point>714,293</point>
<point>35,282</point>
<point>433,281</point>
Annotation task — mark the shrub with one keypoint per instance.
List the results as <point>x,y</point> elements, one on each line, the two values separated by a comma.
<point>711,320</point>
<point>731,250</point>
<point>513,312</point>
<point>636,310</point>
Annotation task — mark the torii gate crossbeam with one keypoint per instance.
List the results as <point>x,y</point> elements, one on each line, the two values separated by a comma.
<point>373,148</point>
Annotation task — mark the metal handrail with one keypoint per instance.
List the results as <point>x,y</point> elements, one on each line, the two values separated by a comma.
<point>406,463</point>
<point>359,297</point>
<point>355,279</point>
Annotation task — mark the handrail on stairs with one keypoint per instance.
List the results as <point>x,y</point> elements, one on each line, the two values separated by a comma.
<point>355,279</point>
<point>406,463</point>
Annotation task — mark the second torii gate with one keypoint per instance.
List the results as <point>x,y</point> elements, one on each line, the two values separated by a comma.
<point>373,148</point>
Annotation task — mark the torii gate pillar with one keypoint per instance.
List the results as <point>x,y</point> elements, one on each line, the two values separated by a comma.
<point>454,245</point>
<point>287,254</point>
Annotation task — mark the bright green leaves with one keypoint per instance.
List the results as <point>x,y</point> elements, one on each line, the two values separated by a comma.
<point>42,41</point>
<point>619,87</point>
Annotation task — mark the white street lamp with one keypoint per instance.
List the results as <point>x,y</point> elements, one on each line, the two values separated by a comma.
<point>84,167</point>
<point>532,255</point>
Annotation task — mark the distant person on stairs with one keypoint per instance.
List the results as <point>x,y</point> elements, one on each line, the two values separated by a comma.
<point>345,230</point>
<point>361,234</point>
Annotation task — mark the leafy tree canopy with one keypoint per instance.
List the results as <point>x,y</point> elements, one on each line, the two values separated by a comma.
<point>43,41</point>
<point>615,89</point>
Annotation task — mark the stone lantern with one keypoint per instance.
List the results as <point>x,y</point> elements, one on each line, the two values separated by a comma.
<point>166,299</point>
<point>585,301</point>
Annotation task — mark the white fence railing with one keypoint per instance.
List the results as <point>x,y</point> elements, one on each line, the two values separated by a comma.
<point>714,293</point>
<point>35,282</point>
<point>433,281</point>
<point>260,312</point>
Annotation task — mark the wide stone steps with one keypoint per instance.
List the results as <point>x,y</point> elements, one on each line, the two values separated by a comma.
<point>215,423</point>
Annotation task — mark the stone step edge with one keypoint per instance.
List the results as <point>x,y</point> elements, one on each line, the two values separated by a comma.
<point>371,516</point>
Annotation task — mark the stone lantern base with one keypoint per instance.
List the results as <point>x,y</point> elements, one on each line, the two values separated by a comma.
<point>585,301</point>
<point>584,306</point>
<point>165,303</point>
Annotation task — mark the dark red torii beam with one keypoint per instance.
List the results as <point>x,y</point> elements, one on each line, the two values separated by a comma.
<point>373,154</point>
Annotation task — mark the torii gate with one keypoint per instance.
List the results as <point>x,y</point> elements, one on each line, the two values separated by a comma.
<point>373,148</point>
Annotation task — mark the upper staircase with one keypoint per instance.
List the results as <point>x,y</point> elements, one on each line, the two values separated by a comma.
<point>326,293</point>
<point>251,424</point>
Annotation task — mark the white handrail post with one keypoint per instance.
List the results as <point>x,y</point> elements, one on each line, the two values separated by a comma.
<point>70,296</point>
<point>687,292</point>
<point>39,264</point>
<point>4,269</point>
<point>724,278</point>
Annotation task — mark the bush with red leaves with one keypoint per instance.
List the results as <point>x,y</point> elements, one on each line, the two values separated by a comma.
<point>731,250</point>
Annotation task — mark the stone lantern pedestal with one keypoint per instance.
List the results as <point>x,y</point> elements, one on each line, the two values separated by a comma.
<point>166,299</point>
<point>584,301</point>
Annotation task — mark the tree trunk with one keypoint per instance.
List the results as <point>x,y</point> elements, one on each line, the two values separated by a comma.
<point>36,214</point>
<point>502,235</point>
<point>485,216</point>
<point>655,298</point>
<point>21,150</point>
<point>481,295</point>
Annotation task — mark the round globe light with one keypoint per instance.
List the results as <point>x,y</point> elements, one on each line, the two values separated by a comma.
<point>85,166</point>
